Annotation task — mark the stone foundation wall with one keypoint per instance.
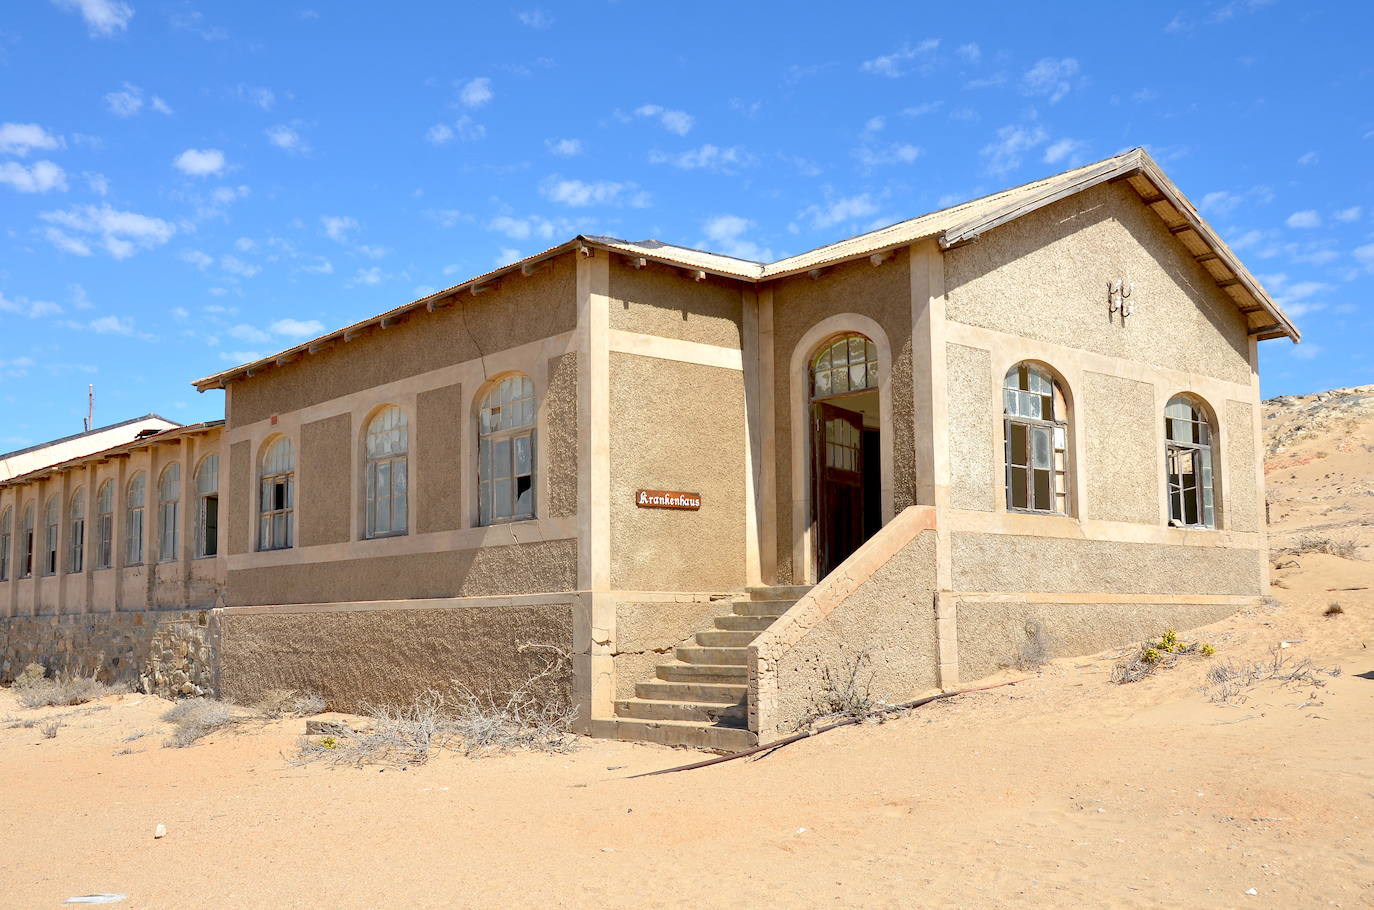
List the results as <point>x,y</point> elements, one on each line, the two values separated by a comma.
<point>163,652</point>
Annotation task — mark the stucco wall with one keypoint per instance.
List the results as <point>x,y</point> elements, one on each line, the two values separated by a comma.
<point>237,499</point>
<point>646,633</point>
<point>1013,563</point>
<point>993,636</point>
<point>1122,457</point>
<point>974,481</point>
<point>882,293</point>
<point>439,471</point>
<point>167,653</point>
<point>324,481</point>
<point>676,426</point>
<point>665,301</point>
<point>560,435</point>
<point>1240,499</point>
<point>390,657</point>
<point>887,624</point>
<point>1045,275</point>
<point>519,309</point>
<point>529,568</point>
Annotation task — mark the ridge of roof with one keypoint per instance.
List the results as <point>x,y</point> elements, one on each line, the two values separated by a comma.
<point>138,443</point>
<point>62,439</point>
<point>954,225</point>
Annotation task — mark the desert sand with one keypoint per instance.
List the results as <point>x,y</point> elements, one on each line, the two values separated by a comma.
<point>1064,790</point>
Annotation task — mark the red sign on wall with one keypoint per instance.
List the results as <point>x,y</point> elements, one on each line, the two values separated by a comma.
<point>667,499</point>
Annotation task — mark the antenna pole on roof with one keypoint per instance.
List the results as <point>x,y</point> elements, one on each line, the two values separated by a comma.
<point>90,407</point>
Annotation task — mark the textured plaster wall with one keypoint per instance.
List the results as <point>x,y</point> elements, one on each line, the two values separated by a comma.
<point>883,293</point>
<point>993,636</point>
<point>355,659</point>
<point>236,508</point>
<point>167,653</point>
<point>1015,563</point>
<point>1240,499</point>
<point>665,301</point>
<point>529,568</point>
<point>1044,276</point>
<point>517,310</point>
<point>439,471</point>
<point>326,467</point>
<point>890,618</point>
<point>1122,458</point>
<point>560,436</point>
<point>974,481</point>
<point>676,426</point>
<point>646,633</point>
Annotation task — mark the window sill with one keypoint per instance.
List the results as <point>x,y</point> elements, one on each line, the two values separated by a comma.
<point>502,522</point>
<point>385,536</point>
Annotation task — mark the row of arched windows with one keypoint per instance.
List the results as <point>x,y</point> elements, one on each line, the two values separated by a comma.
<point>505,468</point>
<point>48,558</point>
<point>1036,422</point>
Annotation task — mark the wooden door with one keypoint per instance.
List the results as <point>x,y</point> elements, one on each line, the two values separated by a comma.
<point>837,466</point>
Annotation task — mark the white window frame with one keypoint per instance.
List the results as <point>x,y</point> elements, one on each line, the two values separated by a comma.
<point>1201,454</point>
<point>6,541</point>
<point>168,512</point>
<point>137,492</point>
<point>207,491</point>
<point>104,525</point>
<point>386,480</point>
<point>277,495</point>
<point>1023,408</point>
<point>26,542</point>
<point>52,539</point>
<point>506,423</point>
<point>76,535</point>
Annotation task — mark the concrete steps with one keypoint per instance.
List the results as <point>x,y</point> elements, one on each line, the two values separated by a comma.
<point>699,700</point>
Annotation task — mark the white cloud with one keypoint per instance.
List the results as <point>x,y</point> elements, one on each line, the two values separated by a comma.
<point>679,122</point>
<point>128,101</point>
<point>897,63</point>
<point>535,18</point>
<point>1004,154</point>
<point>564,148</point>
<point>21,138</point>
<point>198,259</point>
<point>1298,310</point>
<point>200,162</point>
<point>284,137</point>
<point>103,17</point>
<point>236,266</point>
<point>971,52</point>
<point>464,128</point>
<point>296,328</point>
<point>41,177</point>
<point>725,233</point>
<point>1223,202</point>
<point>578,193</point>
<point>837,211</point>
<point>250,334</point>
<point>439,134</point>
<point>372,276</point>
<point>1347,215</point>
<point>67,243</point>
<point>707,157</point>
<point>871,156</point>
<point>111,325</point>
<point>336,227</point>
<point>162,107</point>
<point>1308,159</point>
<point>1307,218</point>
<point>475,92</point>
<point>1050,77</point>
<point>1066,150</point>
<point>33,309</point>
<point>1364,255</point>
<point>920,110</point>
<point>99,183</point>
<point>241,356</point>
<point>121,233</point>
<point>1306,351</point>
<point>264,98</point>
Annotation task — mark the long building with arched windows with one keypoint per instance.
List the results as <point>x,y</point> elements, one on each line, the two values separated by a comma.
<point>679,487</point>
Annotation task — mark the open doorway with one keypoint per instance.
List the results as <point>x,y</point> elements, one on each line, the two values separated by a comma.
<point>846,477</point>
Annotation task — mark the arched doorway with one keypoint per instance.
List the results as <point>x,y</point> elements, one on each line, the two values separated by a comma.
<point>846,472</point>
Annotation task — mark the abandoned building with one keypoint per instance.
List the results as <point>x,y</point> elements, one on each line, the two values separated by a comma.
<point>1027,421</point>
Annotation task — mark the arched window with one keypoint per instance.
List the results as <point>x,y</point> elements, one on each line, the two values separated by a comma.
<point>52,515</point>
<point>388,442</point>
<point>104,526</point>
<point>168,512</point>
<point>277,495</point>
<point>6,541</point>
<point>207,506</point>
<point>847,364</point>
<point>1188,461</point>
<point>133,520</point>
<point>505,452</point>
<point>26,544</point>
<point>1036,441</point>
<point>76,535</point>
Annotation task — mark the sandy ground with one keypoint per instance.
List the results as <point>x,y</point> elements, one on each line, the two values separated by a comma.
<point>1065,790</point>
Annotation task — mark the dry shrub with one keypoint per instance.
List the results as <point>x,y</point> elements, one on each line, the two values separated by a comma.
<point>1228,683</point>
<point>35,690</point>
<point>845,692</point>
<point>1345,548</point>
<point>470,722</point>
<point>1035,650</point>
<point>49,729</point>
<point>280,703</point>
<point>194,719</point>
<point>1154,656</point>
<point>1333,609</point>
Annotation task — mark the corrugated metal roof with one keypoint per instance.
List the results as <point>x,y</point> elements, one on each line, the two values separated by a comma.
<point>167,435</point>
<point>954,225</point>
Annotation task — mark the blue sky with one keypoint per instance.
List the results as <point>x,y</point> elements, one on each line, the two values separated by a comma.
<point>188,186</point>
